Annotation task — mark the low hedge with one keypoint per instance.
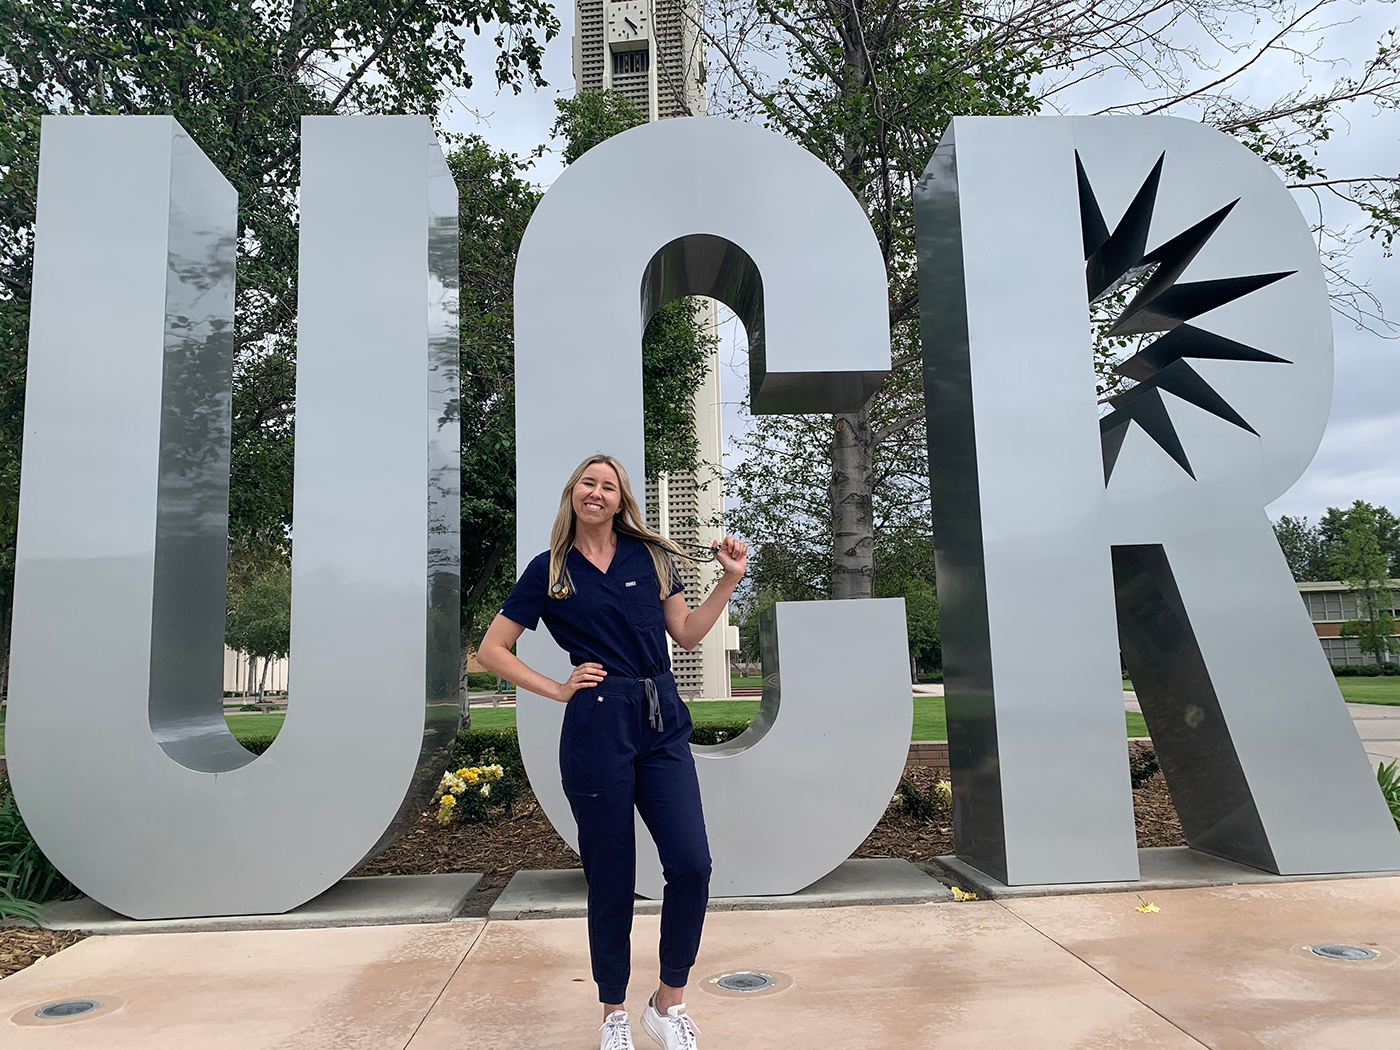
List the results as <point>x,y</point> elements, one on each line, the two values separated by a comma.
<point>484,746</point>
<point>1366,670</point>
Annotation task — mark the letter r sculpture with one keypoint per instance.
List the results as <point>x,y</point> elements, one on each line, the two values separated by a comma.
<point>1066,530</point>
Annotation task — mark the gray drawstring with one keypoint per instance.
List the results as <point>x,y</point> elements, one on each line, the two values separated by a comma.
<point>653,705</point>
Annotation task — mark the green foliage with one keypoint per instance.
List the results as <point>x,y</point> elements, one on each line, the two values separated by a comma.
<point>238,76</point>
<point>869,90</point>
<point>1313,551</point>
<point>260,614</point>
<point>503,743</point>
<point>918,805</point>
<point>1142,766</point>
<point>1333,532</point>
<point>258,744</point>
<point>27,877</point>
<point>676,349</point>
<point>591,117</point>
<point>494,207</point>
<point>1365,671</point>
<point>1302,548</point>
<point>484,747</point>
<point>705,733</point>
<point>1389,781</point>
<point>1364,568</point>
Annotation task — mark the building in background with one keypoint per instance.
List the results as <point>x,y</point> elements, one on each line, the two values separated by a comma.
<point>652,52</point>
<point>649,50</point>
<point>1330,605</point>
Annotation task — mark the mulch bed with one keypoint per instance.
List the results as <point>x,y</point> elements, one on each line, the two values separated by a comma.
<point>22,946</point>
<point>528,841</point>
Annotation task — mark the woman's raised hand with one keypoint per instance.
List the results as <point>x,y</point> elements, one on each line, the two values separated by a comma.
<point>585,676</point>
<point>733,556</point>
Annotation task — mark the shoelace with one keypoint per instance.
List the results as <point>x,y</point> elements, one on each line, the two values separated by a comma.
<point>686,1029</point>
<point>619,1034</point>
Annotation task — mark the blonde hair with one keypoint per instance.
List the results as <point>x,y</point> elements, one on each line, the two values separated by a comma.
<point>628,521</point>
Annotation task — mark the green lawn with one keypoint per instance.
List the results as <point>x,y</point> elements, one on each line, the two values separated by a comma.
<point>745,681</point>
<point>929,720</point>
<point>929,723</point>
<point>1370,690</point>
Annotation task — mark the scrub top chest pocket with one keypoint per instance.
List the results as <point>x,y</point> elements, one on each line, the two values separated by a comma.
<point>643,602</point>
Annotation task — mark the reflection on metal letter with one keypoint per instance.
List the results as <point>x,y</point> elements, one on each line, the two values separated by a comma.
<point>119,586</point>
<point>712,207</point>
<point>1064,533</point>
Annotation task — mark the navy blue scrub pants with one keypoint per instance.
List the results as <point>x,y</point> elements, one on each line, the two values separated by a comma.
<point>612,759</point>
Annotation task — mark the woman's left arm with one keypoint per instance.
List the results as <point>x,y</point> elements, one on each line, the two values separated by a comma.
<point>686,625</point>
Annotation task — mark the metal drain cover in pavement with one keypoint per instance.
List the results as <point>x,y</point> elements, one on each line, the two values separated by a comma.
<point>745,982</point>
<point>1343,951</point>
<point>67,1008</point>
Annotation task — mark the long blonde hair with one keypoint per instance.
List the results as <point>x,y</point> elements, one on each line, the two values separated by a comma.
<point>628,521</point>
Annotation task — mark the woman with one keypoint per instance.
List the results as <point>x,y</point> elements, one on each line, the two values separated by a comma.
<point>609,591</point>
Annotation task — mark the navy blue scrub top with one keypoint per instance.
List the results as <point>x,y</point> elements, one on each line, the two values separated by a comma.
<point>612,618</point>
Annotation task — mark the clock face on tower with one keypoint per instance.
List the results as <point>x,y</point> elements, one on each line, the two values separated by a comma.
<point>627,21</point>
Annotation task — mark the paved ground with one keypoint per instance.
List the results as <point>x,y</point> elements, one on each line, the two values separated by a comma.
<point>1377,724</point>
<point>1225,968</point>
<point>1379,727</point>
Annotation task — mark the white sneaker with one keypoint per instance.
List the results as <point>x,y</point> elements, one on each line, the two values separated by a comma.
<point>674,1029</point>
<point>617,1033</point>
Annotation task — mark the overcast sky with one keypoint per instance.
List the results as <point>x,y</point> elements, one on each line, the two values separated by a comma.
<point>1360,454</point>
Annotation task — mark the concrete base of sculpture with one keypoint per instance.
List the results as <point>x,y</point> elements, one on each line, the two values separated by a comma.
<point>1162,867</point>
<point>868,880</point>
<point>384,900</point>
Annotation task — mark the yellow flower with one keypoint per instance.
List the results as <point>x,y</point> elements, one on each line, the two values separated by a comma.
<point>960,894</point>
<point>485,790</point>
<point>1147,906</point>
<point>944,790</point>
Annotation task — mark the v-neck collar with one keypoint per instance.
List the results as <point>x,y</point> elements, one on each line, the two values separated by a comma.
<point>617,551</point>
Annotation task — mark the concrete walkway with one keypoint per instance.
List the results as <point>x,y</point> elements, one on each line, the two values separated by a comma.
<point>1228,968</point>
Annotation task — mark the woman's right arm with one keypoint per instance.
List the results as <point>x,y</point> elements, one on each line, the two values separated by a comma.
<point>494,654</point>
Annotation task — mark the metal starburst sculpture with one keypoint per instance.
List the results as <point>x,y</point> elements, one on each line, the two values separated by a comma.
<point>1161,305</point>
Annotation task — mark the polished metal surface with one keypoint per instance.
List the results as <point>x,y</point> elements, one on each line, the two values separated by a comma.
<point>712,207</point>
<point>1061,536</point>
<point>116,743</point>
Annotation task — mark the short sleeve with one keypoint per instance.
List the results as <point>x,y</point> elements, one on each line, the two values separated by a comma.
<point>676,585</point>
<point>526,600</point>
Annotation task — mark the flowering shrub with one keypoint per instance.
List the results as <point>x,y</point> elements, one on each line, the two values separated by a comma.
<point>477,779</point>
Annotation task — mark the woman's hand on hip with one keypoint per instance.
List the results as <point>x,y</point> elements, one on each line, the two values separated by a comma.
<point>585,676</point>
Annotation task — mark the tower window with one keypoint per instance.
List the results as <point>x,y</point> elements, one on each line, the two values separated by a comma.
<point>631,62</point>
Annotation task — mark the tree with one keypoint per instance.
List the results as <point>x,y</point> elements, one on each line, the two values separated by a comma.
<point>1302,548</point>
<point>1336,524</point>
<point>1363,567</point>
<point>494,207</point>
<point>238,75</point>
<point>259,621</point>
<point>870,88</point>
<point>869,85</point>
